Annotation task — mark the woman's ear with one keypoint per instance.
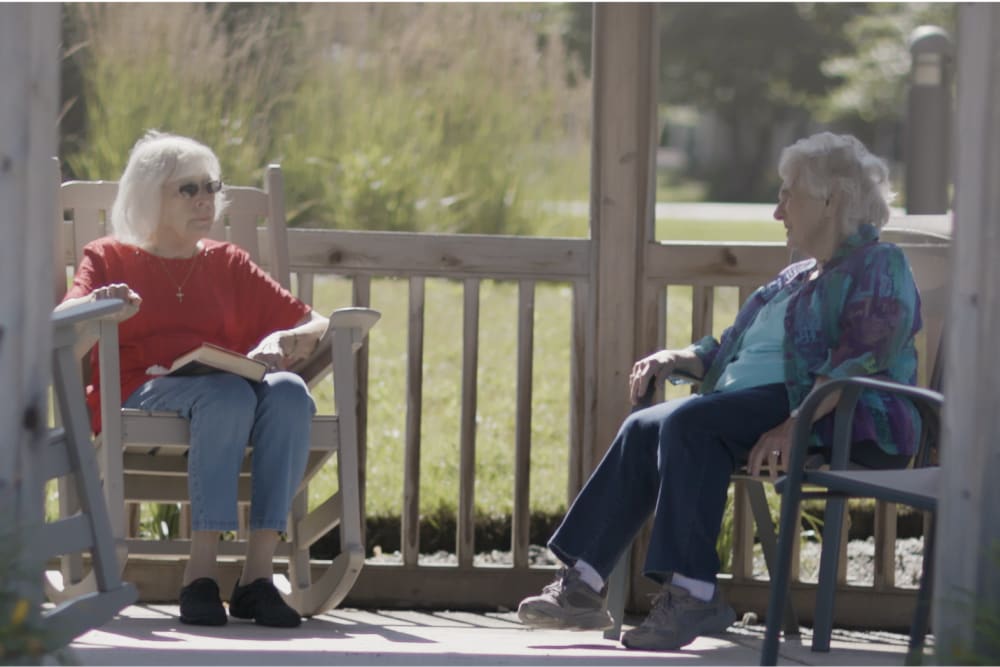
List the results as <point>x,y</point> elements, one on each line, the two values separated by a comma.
<point>834,201</point>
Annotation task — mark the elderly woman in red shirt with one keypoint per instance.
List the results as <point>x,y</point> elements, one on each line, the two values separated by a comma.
<point>181,290</point>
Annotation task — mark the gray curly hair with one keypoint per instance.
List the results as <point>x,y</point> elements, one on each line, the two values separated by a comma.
<point>826,164</point>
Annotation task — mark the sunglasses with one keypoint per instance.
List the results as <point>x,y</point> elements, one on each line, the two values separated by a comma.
<point>191,190</point>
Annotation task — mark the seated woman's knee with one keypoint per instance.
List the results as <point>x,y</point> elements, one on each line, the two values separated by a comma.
<point>691,417</point>
<point>288,391</point>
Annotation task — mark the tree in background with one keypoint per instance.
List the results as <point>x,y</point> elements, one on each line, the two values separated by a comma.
<point>457,117</point>
<point>756,67</point>
<point>870,101</point>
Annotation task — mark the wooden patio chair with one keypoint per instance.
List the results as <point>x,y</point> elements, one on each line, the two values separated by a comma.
<point>69,454</point>
<point>142,453</point>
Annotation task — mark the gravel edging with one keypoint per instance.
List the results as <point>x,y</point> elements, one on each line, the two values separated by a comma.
<point>860,560</point>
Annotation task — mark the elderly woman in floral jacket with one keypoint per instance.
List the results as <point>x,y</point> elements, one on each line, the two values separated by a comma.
<point>851,309</point>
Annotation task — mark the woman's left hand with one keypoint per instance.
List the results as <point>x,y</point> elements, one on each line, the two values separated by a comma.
<point>773,447</point>
<point>276,350</point>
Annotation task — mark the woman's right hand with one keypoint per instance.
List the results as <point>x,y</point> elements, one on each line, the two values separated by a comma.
<point>119,291</point>
<point>656,366</point>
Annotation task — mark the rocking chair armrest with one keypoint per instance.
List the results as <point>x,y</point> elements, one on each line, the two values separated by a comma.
<point>86,311</point>
<point>353,321</point>
<point>358,318</point>
<point>82,322</point>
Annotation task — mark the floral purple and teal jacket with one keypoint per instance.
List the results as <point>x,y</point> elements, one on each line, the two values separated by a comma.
<point>859,317</point>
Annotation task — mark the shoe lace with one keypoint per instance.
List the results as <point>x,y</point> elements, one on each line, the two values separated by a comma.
<point>662,608</point>
<point>558,584</point>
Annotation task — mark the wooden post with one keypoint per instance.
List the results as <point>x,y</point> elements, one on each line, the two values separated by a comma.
<point>967,581</point>
<point>29,75</point>
<point>622,202</point>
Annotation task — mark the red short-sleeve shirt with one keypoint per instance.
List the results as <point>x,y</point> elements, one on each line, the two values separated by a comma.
<point>227,300</point>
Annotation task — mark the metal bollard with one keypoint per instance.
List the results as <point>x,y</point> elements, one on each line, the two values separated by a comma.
<point>928,122</point>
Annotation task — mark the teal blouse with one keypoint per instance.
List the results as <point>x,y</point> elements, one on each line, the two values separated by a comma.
<point>859,317</point>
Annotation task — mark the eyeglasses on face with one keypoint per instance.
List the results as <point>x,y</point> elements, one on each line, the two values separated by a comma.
<point>191,189</point>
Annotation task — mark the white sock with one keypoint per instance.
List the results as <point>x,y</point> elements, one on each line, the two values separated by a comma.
<point>589,575</point>
<point>701,590</point>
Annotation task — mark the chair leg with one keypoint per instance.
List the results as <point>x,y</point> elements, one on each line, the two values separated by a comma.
<point>918,631</point>
<point>299,567</point>
<point>833,520</point>
<point>769,545</point>
<point>791,497</point>
<point>618,584</point>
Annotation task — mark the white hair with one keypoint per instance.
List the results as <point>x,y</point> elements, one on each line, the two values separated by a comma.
<point>828,164</point>
<point>156,158</point>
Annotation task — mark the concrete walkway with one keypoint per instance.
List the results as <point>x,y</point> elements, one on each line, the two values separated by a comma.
<point>152,635</point>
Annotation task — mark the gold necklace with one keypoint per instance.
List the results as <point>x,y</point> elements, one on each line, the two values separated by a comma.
<point>180,285</point>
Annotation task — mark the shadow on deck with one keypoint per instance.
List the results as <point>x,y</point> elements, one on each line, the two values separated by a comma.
<point>153,635</point>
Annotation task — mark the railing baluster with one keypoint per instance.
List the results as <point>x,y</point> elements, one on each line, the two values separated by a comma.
<point>304,285</point>
<point>885,546</point>
<point>465,540</point>
<point>361,288</point>
<point>743,534</point>
<point>520,524</point>
<point>414,409</point>
<point>578,467</point>
<point>702,301</point>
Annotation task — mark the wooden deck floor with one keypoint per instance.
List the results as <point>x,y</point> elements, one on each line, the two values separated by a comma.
<point>152,635</point>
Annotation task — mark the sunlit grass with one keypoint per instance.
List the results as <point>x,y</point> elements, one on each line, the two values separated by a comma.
<point>496,385</point>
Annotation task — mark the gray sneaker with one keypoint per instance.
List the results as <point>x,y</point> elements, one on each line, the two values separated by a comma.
<point>566,604</point>
<point>677,619</point>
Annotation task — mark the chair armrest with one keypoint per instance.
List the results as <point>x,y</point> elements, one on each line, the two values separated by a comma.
<point>682,377</point>
<point>81,323</point>
<point>675,378</point>
<point>927,402</point>
<point>86,311</point>
<point>355,322</point>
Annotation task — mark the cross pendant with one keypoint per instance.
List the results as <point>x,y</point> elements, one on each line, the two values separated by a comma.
<point>180,295</point>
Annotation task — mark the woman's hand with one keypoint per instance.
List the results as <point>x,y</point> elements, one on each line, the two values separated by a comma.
<point>656,366</point>
<point>773,447</point>
<point>119,291</point>
<point>280,349</point>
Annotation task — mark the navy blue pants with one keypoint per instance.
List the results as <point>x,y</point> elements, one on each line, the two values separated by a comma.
<point>674,460</point>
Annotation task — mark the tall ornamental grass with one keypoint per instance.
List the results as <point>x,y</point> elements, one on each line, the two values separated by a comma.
<point>390,117</point>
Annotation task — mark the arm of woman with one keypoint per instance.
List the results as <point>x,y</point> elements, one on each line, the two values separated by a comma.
<point>775,446</point>
<point>114,291</point>
<point>281,349</point>
<point>658,366</point>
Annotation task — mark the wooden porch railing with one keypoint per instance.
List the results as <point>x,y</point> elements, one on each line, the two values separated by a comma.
<point>529,261</point>
<point>364,256</point>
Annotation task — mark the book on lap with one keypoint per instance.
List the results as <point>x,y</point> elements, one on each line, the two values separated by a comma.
<point>209,358</point>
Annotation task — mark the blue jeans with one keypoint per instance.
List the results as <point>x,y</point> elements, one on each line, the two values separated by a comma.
<point>674,460</point>
<point>227,413</point>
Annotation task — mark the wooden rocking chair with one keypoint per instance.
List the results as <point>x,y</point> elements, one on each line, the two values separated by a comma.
<point>69,455</point>
<point>141,453</point>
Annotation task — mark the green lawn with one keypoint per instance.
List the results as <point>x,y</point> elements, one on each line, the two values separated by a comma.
<point>496,382</point>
